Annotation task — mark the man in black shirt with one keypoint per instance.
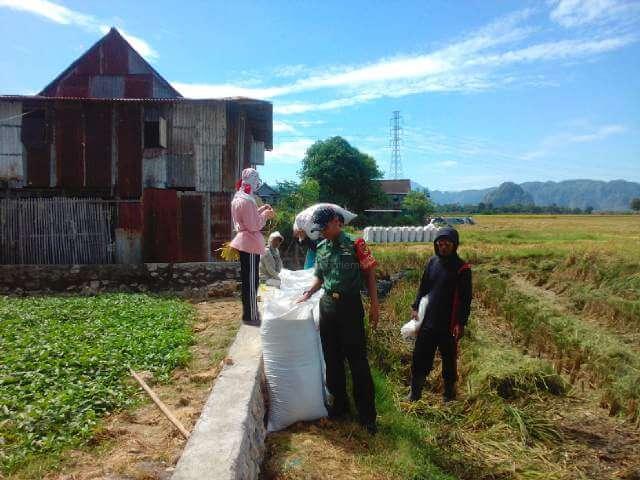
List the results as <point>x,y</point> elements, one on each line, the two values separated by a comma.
<point>447,282</point>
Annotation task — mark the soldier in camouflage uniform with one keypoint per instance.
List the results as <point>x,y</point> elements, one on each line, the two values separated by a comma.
<point>341,265</point>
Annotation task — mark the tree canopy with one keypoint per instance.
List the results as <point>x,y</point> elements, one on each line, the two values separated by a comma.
<point>345,175</point>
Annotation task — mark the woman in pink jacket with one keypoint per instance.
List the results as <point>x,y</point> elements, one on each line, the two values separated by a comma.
<point>248,220</point>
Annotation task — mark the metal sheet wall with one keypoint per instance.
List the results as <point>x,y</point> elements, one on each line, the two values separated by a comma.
<point>220,221</point>
<point>129,132</point>
<point>98,133</point>
<point>161,241</point>
<point>11,165</point>
<point>129,233</point>
<point>106,86</point>
<point>137,86</point>
<point>192,248</point>
<point>69,141</point>
<point>154,170</point>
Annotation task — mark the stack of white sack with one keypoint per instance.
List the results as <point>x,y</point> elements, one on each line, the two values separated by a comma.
<point>409,330</point>
<point>292,352</point>
<point>303,220</point>
<point>425,233</point>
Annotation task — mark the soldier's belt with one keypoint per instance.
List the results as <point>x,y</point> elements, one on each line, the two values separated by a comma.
<point>341,295</point>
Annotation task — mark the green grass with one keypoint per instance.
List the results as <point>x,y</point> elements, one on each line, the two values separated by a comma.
<point>64,361</point>
<point>609,361</point>
<point>500,428</point>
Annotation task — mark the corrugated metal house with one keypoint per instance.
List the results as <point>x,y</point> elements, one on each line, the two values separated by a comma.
<point>110,164</point>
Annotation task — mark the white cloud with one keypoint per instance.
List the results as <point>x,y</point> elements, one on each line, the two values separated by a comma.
<point>447,163</point>
<point>279,126</point>
<point>557,141</point>
<point>289,152</point>
<point>574,13</point>
<point>51,11</point>
<point>483,60</point>
<point>62,15</point>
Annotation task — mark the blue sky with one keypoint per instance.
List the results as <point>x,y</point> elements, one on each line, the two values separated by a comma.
<point>488,92</point>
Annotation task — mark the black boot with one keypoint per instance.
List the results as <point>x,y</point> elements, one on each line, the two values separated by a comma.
<point>449,391</point>
<point>416,389</point>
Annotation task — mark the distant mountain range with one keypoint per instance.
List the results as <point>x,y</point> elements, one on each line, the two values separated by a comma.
<point>610,196</point>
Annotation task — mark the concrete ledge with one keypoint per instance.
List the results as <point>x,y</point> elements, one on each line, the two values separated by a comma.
<point>228,440</point>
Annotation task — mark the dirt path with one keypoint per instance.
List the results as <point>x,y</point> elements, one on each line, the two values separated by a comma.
<point>142,444</point>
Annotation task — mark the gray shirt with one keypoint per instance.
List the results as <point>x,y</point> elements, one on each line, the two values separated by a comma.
<point>270,264</point>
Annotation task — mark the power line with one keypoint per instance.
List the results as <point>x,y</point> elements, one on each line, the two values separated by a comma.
<point>395,134</point>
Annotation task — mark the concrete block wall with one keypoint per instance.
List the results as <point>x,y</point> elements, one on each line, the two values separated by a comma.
<point>195,279</point>
<point>227,442</point>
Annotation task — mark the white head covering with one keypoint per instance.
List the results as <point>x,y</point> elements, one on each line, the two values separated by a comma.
<point>275,234</point>
<point>251,178</point>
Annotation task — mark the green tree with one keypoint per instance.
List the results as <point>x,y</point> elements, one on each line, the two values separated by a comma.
<point>345,175</point>
<point>635,204</point>
<point>418,205</point>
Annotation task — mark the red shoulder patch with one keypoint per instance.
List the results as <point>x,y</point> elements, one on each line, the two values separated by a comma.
<point>364,255</point>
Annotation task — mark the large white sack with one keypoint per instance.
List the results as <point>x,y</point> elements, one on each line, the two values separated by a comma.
<point>293,362</point>
<point>412,234</point>
<point>410,330</point>
<point>384,235</point>
<point>431,230</point>
<point>419,234</point>
<point>366,234</point>
<point>405,234</point>
<point>375,237</point>
<point>397,237</point>
<point>303,219</point>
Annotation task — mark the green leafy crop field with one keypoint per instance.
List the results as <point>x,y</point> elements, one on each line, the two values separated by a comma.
<point>64,361</point>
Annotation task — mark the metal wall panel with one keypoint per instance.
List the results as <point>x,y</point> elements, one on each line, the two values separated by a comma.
<point>129,132</point>
<point>98,134</point>
<point>138,86</point>
<point>161,90</point>
<point>137,65</point>
<point>161,240</point>
<point>106,86</point>
<point>257,153</point>
<point>38,166</point>
<point>69,143</point>
<point>220,221</point>
<point>10,145</point>
<point>229,158</point>
<point>115,57</point>
<point>154,170</point>
<point>191,228</point>
<point>208,159</point>
<point>74,86</point>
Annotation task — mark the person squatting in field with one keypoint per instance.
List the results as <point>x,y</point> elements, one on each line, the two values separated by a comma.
<point>447,282</point>
<point>248,220</point>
